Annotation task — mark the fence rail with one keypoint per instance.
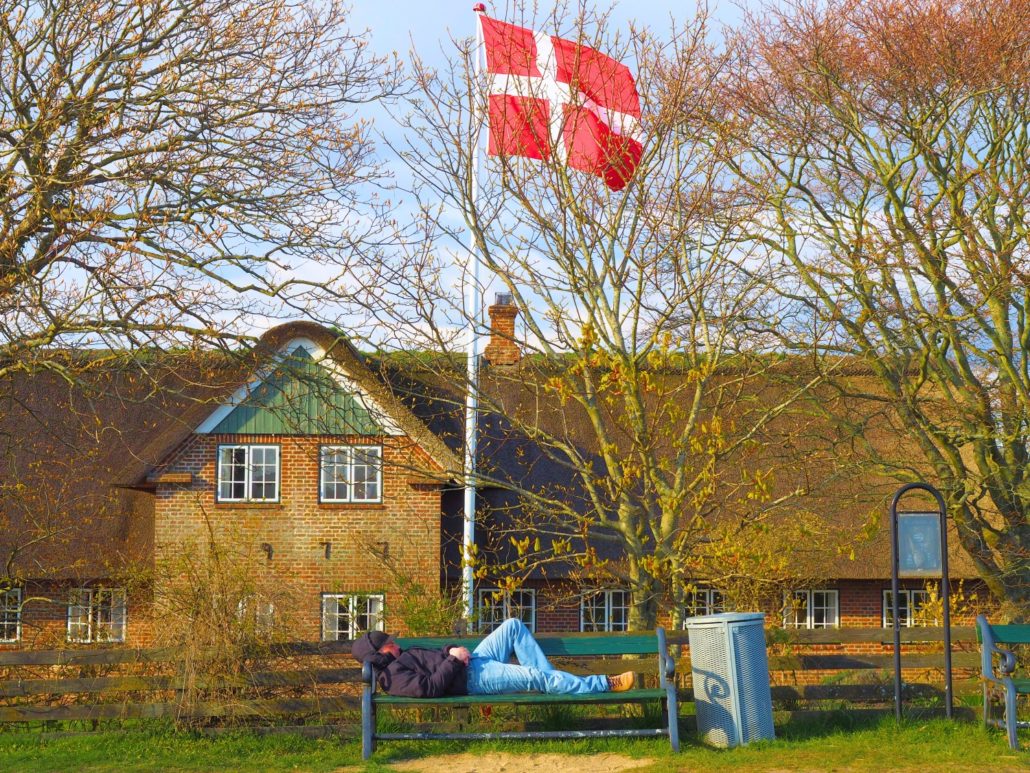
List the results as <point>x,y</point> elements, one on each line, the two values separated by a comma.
<point>114,683</point>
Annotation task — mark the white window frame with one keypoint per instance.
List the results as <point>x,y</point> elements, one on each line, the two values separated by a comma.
<point>349,453</point>
<point>353,602</point>
<point>84,625</point>
<point>495,606</point>
<point>9,610</point>
<point>809,596</point>
<point>261,612</point>
<point>248,469</point>
<point>609,596</point>
<point>908,611</point>
<point>706,601</point>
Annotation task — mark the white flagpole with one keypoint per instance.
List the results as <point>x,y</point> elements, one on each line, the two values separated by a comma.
<point>475,304</point>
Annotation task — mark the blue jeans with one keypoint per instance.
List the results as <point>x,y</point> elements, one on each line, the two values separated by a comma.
<point>490,673</point>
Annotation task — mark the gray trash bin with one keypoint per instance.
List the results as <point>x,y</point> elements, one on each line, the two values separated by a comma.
<point>731,678</point>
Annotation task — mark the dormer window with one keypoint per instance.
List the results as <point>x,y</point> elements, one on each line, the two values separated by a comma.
<point>351,474</point>
<point>248,473</point>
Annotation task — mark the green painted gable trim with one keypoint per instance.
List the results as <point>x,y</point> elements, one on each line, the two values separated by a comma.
<point>300,398</point>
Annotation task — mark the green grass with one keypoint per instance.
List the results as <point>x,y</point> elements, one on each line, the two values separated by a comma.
<point>834,744</point>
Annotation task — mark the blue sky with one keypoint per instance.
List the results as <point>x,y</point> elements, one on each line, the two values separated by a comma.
<point>429,26</point>
<point>395,25</point>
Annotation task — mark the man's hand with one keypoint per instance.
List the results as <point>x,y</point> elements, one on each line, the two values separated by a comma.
<point>461,653</point>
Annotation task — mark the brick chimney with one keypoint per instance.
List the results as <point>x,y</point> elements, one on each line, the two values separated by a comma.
<point>502,349</point>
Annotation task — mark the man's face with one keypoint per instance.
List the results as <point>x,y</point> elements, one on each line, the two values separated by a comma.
<point>391,648</point>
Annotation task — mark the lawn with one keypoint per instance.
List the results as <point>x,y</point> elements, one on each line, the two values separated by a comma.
<point>832,745</point>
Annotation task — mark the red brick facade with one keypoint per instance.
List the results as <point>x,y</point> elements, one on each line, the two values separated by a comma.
<point>299,531</point>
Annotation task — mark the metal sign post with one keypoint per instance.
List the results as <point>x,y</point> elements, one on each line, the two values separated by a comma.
<point>919,548</point>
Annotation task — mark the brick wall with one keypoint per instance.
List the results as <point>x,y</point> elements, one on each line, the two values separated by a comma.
<point>405,527</point>
<point>502,348</point>
<point>860,605</point>
<point>44,618</point>
<point>557,607</point>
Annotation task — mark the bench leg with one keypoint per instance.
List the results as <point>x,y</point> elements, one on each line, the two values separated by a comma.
<point>1010,716</point>
<point>368,723</point>
<point>672,710</point>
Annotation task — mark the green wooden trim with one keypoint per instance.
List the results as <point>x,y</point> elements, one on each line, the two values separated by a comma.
<point>1008,634</point>
<point>436,642</point>
<point>557,646</point>
<point>524,698</point>
<point>300,397</point>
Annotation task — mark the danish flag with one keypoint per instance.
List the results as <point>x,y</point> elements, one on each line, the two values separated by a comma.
<point>550,96</point>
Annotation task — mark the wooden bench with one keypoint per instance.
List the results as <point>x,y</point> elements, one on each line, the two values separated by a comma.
<point>576,645</point>
<point>1001,685</point>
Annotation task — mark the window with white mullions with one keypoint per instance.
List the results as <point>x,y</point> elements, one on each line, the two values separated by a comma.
<point>351,474</point>
<point>347,616</point>
<point>248,473</point>
<point>606,610</point>
<point>811,609</point>
<point>913,609</point>
<point>96,615</point>
<point>366,474</point>
<point>10,615</point>
<point>496,606</point>
<point>703,601</point>
<point>259,613</point>
<point>264,473</point>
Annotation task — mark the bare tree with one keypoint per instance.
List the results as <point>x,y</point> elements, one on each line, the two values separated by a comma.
<point>886,146</point>
<point>169,167</point>
<point>170,171</point>
<point>624,425</point>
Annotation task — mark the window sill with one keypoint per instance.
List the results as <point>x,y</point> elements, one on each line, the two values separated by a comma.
<point>351,506</point>
<point>249,505</point>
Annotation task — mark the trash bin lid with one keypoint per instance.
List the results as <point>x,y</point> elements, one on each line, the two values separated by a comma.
<point>722,618</point>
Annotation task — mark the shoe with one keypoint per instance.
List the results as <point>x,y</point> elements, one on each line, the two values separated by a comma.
<point>621,682</point>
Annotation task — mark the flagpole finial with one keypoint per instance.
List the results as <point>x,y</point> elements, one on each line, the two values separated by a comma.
<point>479,8</point>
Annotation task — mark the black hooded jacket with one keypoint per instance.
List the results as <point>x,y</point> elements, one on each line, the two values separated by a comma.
<point>420,673</point>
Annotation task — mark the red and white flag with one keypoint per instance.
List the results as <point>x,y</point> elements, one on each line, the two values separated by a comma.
<point>549,95</point>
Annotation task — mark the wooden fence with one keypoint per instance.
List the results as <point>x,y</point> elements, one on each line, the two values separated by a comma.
<point>316,685</point>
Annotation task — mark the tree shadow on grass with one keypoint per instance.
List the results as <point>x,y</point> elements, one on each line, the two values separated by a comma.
<point>835,722</point>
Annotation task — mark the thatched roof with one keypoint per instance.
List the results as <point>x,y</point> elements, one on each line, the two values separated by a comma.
<point>82,451</point>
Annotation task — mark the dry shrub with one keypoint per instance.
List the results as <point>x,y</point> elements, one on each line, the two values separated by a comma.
<point>223,611</point>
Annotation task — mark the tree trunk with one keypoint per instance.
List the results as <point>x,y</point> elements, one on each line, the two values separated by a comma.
<point>645,596</point>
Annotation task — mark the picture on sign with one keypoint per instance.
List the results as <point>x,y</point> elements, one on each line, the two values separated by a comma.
<point>919,544</point>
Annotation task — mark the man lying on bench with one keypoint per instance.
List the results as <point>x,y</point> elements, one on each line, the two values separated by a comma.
<point>486,670</point>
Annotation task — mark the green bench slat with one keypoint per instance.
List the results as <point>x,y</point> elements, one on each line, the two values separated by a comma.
<point>1022,686</point>
<point>1007,634</point>
<point>523,698</point>
<point>556,646</point>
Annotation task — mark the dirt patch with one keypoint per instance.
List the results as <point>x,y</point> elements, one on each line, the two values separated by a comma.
<point>502,762</point>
